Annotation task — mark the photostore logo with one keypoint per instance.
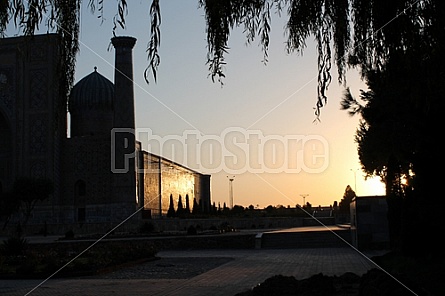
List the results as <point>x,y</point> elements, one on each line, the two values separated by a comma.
<point>234,151</point>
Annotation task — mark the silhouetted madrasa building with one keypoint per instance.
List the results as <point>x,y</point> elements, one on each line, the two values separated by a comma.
<point>99,176</point>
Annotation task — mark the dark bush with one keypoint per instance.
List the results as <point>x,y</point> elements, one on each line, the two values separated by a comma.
<point>51,264</point>
<point>317,285</point>
<point>69,234</point>
<point>278,285</point>
<point>147,227</point>
<point>14,246</point>
<point>191,230</point>
<point>226,227</point>
<point>28,267</point>
<point>378,282</point>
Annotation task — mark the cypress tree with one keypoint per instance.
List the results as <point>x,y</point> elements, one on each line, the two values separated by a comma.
<point>171,208</point>
<point>180,210</point>
<point>187,205</point>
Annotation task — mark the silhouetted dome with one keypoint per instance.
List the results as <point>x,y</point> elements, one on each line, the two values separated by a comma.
<point>93,92</point>
<point>91,106</point>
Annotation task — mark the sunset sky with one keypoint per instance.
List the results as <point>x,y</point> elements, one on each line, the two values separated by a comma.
<point>259,112</point>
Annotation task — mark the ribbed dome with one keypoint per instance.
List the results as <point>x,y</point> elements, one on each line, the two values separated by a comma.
<point>93,92</point>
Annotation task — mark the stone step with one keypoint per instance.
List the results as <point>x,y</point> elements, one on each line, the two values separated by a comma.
<point>305,239</point>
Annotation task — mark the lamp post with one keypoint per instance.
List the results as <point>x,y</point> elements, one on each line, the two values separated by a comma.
<point>304,198</point>
<point>231,191</point>
<point>355,180</point>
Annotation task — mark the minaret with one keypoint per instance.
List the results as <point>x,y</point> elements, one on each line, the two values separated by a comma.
<point>123,82</point>
<point>123,134</point>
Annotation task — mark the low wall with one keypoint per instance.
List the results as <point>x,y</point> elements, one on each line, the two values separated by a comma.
<point>164,224</point>
<point>175,224</point>
<point>161,225</point>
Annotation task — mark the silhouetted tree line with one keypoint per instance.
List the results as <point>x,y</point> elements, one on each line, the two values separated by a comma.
<point>237,210</point>
<point>181,211</point>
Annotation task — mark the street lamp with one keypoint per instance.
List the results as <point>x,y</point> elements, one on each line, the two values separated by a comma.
<point>231,190</point>
<point>355,180</point>
<point>304,198</point>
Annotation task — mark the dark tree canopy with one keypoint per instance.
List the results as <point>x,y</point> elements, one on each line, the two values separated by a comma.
<point>30,191</point>
<point>348,196</point>
<point>8,206</point>
<point>347,32</point>
<point>401,123</point>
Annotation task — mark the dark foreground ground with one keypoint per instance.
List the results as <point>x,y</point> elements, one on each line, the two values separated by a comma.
<point>222,268</point>
<point>374,282</point>
<point>322,271</point>
<point>394,275</point>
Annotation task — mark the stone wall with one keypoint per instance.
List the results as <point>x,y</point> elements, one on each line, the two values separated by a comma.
<point>369,222</point>
<point>163,178</point>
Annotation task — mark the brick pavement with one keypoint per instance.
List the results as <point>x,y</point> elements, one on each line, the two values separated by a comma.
<point>249,268</point>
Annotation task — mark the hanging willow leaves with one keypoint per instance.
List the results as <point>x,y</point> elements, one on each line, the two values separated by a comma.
<point>327,21</point>
<point>119,18</point>
<point>222,17</point>
<point>154,58</point>
<point>58,16</point>
<point>97,5</point>
<point>380,28</point>
<point>4,16</point>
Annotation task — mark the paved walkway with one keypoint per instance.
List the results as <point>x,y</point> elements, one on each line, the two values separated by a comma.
<point>247,269</point>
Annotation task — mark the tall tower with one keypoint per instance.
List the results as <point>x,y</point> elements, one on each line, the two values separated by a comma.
<point>123,138</point>
<point>123,82</point>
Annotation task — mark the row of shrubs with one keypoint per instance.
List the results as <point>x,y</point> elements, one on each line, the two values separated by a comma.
<point>149,228</point>
<point>18,258</point>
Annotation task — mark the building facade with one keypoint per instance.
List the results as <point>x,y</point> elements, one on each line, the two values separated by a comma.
<point>100,173</point>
